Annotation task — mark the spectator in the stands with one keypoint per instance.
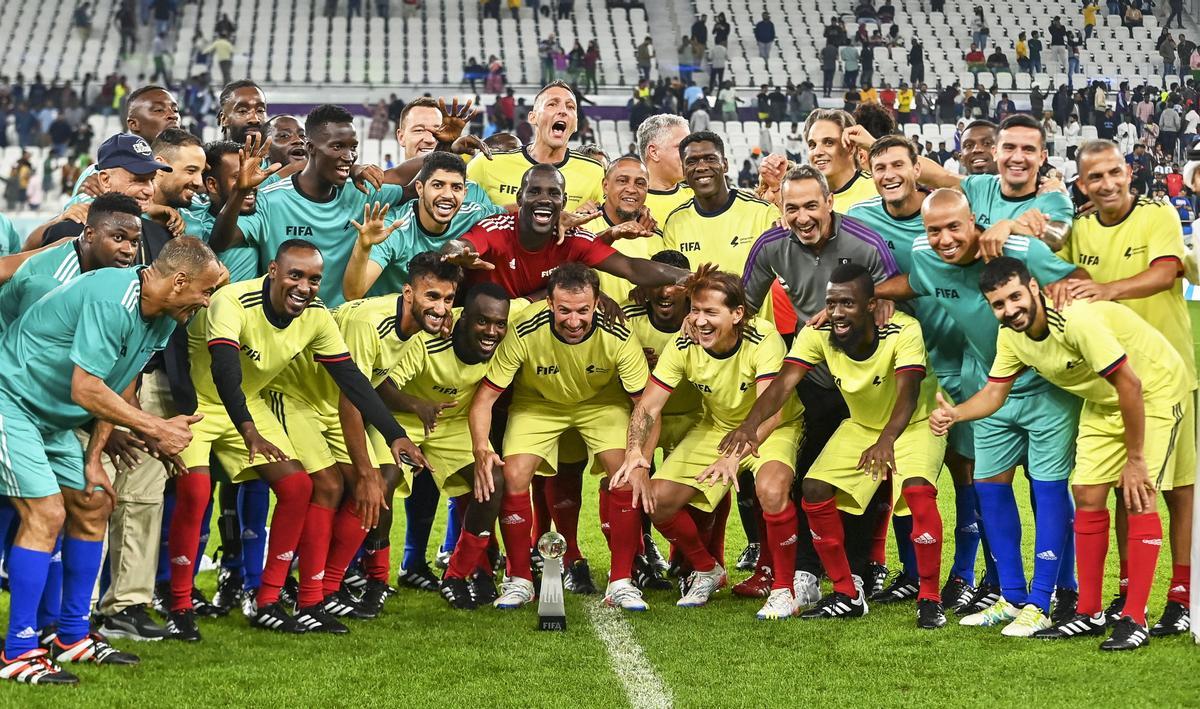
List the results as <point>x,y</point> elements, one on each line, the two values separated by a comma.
<point>1090,7</point>
<point>721,30</point>
<point>700,32</point>
<point>975,58</point>
<point>591,65</point>
<point>1035,51</point>
<point>887,98</point>
<point>699,118</point>
<point>829,60</point>
<point>225,27</point>
<point>894,39</point>
<point>222,50</point>
<point>865,10</point>
<point>1133,16</point>
<point>1106,125</point>
<point>1053,134</point>
<point>164,15</point>
<point>997,61</point>
<point>1127,134</point>
<point>849,56</point>
<point>1170,123</point>
<point>125,19</point>
<point>645,55</point>
<point>979,29</point>
<point>1021,48</point>
<point>866,63</point>
<point>777,105</point>
<point>1058,43</point>
<point>916,62</point>
<point>747,176</point>
<point>718,57</point>
<point>886,12</point>
<point>764,35</point>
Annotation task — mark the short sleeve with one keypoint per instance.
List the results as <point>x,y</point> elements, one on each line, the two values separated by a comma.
<point>1067,252</point>
<point>808,349</point>
<point>671,367</point>
<point>384,253</point>
<point>1044,265</point>
<point>479,239</point>
<point>509,357</point>
<point>226,318</point>
<point>1057,206</point>
<point>768,357</point>
<point>1007,365</point>
<point>1164,232</point>
<point>389,194</point>
<point>591,250</point>
<point>976,186</point>
<point>411,362</point>
<point>910,349</point>
<point>254,226</point>
<point>916,276</point>
<point>477,171</point>
<point>631,366</point>
<point>326,344</point>
<point>10,240</point>
<point>362,342</point>
<point>100,337</point>
<point>1098,345</point>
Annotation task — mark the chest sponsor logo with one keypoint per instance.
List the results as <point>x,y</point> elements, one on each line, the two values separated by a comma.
<point>744,386</point>
<point>951,293</point>
<point>547,370</point>
<point>877,381</point>
<point>1132,251</point>
<point>593,369</point>
<point>739,240</point>
<point>300,230</point>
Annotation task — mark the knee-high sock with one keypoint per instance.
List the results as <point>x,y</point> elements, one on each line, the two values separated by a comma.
<point>966,533</point>
<point>564,493</point>
<point>927,535</point>
<point>229,527</point>
<point>1054,513</point>
<point>202,541</point>
<point>625,526</point>
<point>990,576</point>
<point>26,581</point>
<point>902,527</point>
<point>879,535</point>
<point>830,542</point>
<point>1181,584</point>
<point>314,553</point>
<point>1091,548</point>
<point>1066,570</point>
<point>747,506</point>
<point>720,520</point>
<point>1145,542</point>
<point>681,531</point>
<point>50,605</point>
<point>469,554</point>
<point>541,509</point>
<point>516,526</point>
<point>254,504</point>
<point>454,521</point>
<point>348,536</point>
<point>377,560</point>
<point>163,573</point>
<point>781,542</point>
<point>1003,525</point>
<point>766,560</point>
<point>80,567</point>
<point>292,495</point>
<point>605,526</point>
<point>192,492</point>
<point>420,508</point>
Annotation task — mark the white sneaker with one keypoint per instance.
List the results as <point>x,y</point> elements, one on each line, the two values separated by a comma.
<point>779,606</point>
<point>624,595</point>
<point>701,586</point>
<point>807,589</point>
<point>1000,612</point>
<point>1028,621</point>
<point>514,593</point>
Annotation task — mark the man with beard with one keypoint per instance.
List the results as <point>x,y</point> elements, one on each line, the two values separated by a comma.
<point>1134,250</point>
<point>979,147</point>
<point>897,213</point>
<point>571,369</point>
<point>1034,429</point>
<point>1133,383</point>
<point>249,335</point>
<point>882,372</point>
<point>730,362</point>
<point>801,255</point>
<point>555,118</point>
<point>658,139</point>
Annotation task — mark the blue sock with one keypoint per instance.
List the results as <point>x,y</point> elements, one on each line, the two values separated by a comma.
<point>50,604</point>
<point>205,530</point>
<point>81,565</point>
<point>454,520</point>
<point>419,510</point>
<point>163,574</point>
<point>966,533</point>
<point>1003,524</point>
<point>1050,525</point>
<point>27,577</point>
<point>902,526</point>
<point>254,504</point>
<point>990,576</point>
<point>1066,569</point>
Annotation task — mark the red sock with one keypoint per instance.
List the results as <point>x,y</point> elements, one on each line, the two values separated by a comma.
<point>1123,582</point>
<point>191,499</point>
<point>564,493</point>
<point>493,548</point>
<point>720,519</point>
<point>377,563</point>
<point>780,544</point>
<point>1145,542</point>
<point>314,554</point>
<point>467,554</point>
<point>604,503</point>
<point>1091,547</point>
<point>516,525</point>
<point>704,526</point>
<point>681,531</point>
<point>541,509</point>
<point>292,494</point>
<point>348,536</point>
<point>625,523</point>
<point>880,535</point>
<point>1181,584</point>
<point>926,537</point>
<point>829,539</point>
<point>765,560</point>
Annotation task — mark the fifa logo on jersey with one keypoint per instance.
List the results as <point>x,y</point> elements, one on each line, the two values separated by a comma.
<point>593,369</point>
<point>945,293</point>
<point>551,369</point>
<point>692,246</point>
<point>702,387</point>
<point>510,189</point>
<point>298,230</point>
<point>1087,260</point>
<point>451,391</point>
<point>251,353</point>
<point>380,372</point>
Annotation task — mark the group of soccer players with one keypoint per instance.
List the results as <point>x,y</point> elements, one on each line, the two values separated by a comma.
<point>266,313</point>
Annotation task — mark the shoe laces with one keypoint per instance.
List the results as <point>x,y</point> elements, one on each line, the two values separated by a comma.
<point>1030,615</point>
<point>625,593</point>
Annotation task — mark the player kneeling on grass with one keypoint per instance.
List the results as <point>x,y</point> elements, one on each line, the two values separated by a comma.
<point>881,370</point>
<point>569,364</point>
<point>730,361</point>
<point>1133,385</point>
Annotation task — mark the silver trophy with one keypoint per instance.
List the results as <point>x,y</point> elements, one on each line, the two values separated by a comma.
<point>552,615</point>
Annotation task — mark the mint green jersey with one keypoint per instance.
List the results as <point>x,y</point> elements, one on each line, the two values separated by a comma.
<point>956,289</point>
<point>42,273</point>
<point>943,340</point>
<point>410,238</point>
<point>283,212</point>
<point>989,205</point>
<point>10,240</point>
<point>93,322</point>
<point>242,261</point>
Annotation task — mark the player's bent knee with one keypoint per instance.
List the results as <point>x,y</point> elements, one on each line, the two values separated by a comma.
<point>773,497</point>
<point>42,518</point>
<point>816,490</point>
<point>327,487</point>
<point>391,477</point>
<point>915,482</point>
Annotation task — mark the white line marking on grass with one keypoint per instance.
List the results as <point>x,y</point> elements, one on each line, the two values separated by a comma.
<point>643,686</point>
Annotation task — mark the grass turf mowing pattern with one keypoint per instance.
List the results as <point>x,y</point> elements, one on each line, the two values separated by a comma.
<point>423,654</point>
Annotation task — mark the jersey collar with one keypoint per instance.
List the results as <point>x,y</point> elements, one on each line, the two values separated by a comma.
<point>733,194</point>
<point>849,183</point>
<point>296,184</point>
<point>663,193</point>
<point>586,337</point>
<point>730,353</point>
<point>1122,219</point>
<point>400,318</point>
<point>533,161</point>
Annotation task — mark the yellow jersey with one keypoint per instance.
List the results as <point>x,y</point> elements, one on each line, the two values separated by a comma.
<point>684,400</point>
<point>542,367</point>
<point>726,383</point>
<point>645,247</point>
<point>1086,343</point>
<point>869,385</point>
<point>1151,232</point>
<point>662,202</point>
<point>723,237</point>
<point>501,176</point>
<point>435,369</point>
<point>240,315</point>
<point>859,189</point>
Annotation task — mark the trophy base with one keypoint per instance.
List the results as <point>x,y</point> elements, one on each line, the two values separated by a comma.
<point>552,622</point>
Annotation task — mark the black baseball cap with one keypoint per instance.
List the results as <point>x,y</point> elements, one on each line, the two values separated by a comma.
<point>128,151</point>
